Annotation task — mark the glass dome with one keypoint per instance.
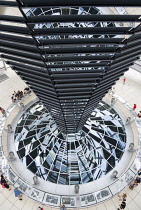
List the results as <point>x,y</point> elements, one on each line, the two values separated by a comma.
<point>74,158</point>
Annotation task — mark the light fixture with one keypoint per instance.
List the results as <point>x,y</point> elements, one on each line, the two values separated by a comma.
<point>9,128</point>
<point>11,156</point>
<point>128,121</point>
<point>114,174</point>
<point>76,188</point>
<point>35,180</point>
<point>131,147</point>
<point>113,101</point>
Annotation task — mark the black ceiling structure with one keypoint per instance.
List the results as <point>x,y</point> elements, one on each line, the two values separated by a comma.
<point>69,68</point>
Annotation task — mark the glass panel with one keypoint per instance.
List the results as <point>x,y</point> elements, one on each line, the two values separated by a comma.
<point>74,158</point>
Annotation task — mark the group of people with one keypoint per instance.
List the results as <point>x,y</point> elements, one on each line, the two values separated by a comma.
<point>134,107</point>
<point>19,94</point>
<point>16,96</point>
<point>4,183</point>
<point>17,192</point>
<point>123,199</point>
<point>135,183</point>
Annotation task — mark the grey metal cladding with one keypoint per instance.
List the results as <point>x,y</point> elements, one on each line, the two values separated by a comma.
<point>69,60</point>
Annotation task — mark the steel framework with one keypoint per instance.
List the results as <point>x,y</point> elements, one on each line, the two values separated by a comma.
<point>69,75</point>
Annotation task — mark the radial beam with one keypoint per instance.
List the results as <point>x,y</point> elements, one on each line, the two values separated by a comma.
<point>81,3</point>
<point>81,18</point>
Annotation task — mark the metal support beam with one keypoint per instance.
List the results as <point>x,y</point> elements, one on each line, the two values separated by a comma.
<point>81,3</point>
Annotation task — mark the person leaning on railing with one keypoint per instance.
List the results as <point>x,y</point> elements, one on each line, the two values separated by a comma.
<point>139,114</point>
<point>3,111</point>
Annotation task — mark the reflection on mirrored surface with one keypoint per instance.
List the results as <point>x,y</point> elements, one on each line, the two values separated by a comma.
<point>66,11</point>
<point>74,158</point>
